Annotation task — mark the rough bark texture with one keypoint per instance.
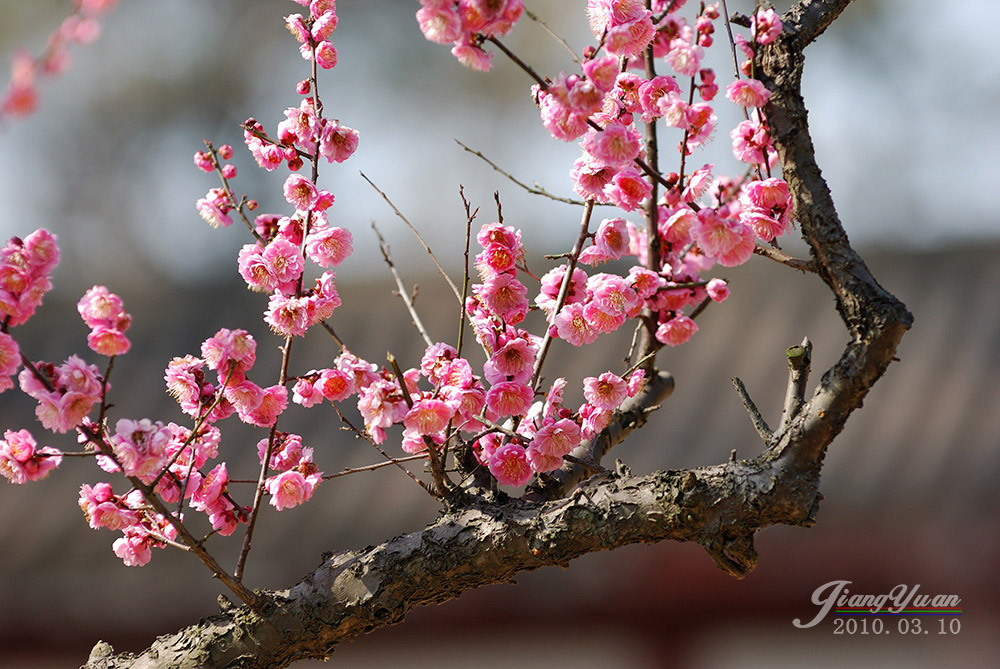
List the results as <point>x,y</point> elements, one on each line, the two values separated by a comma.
<point>488,539</point>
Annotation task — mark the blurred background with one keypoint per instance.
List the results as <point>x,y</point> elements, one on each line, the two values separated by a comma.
<point>902,98</point>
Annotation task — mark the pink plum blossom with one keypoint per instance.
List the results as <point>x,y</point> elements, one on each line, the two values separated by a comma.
<point>509,465</point>
<point>717,289</point>
<point>21,460</point>
<point>290,489</point>
<point>328,247</point>
<point>676,331</point>
<point>571,325</point>
<point>627,189</point>
<point>508,398</point>
<point>10,360</point>
<point>748,93</point>
<point>605,392</point>
<point>428,416</point>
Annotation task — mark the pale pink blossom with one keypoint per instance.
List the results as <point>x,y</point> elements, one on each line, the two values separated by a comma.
<point>627,189</point>
<point>685,58</point>
<point>571,325</point>
<point>748,93</point>
<point>727,240</point>
<point>766,26</point>
<point>636,382</point>
<point>290,489</point>
<point>273,403</point>
<point>230,352</point>
<point>21,460</point>
<point>428,416</point>
<point>611,242</point>
<point>300,192</point>
<point>717,289</point>
<point>616,145</point>
<point>337,142</point>
<point>676,331</point>
<point>509,465</point>
<point>606,392</point>
<point>133,549</point>
<point>593,420</point>
<point>590,177</point>
<point>326,55</point>
<point>305,393</point>
<point>440,22</point>
<point>287,316</point>
<point>556,439</point>
<point>751,142</point>
<point>472,56</point>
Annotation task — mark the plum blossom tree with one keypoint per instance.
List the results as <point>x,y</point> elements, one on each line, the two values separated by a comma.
<point>476,427</point>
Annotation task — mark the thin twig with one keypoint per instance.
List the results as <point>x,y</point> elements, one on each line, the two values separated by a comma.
<point>759,423</point>
<point>537,190</point>
<point>416,234</point>
<point>563,292</point>
<point>785,259</point>
<point>401,288</point>
<point>534,17</point>
<point>469,217</point>
<point>437,468</point>
<point>389,459</point>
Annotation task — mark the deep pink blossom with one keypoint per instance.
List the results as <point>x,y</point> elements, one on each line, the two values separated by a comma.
<point>616,145</point>
<point>627,189</point>
<point>504,296</point>
<point>766,26</point>
<point>509,465</point>
<point>21,460</point>
<point>337,142</point>
<point>717,289</point>
<point>328,247</point>
<point>133,549</point>
<point>508,398</point>
<point>273,403</point>
<point>512,361</point>
<point>10,360</point>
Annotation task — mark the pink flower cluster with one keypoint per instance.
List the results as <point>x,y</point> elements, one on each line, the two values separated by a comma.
<point>230,354</point>
<point>65,393</point>
<point>173,457</point>
<point>500,295</point>
<point>549,431</point>
<point>141,529</point>
<point>297,475</point>
<point>21,460</point>
<point>466,23</point>
<point>313,31</point>
<point>105,315</point>
<point>80,27</point>
<point>303,132</point>
<point>25,269</point>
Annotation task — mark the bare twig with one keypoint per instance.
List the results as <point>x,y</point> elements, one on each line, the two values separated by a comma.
<point>416,234</point>
<point>401,288</point>
<point>534,17</point>
<point>784,258</point>
<point>563,292</point>
<point>537,190</point>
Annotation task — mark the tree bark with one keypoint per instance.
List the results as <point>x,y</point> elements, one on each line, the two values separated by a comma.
<point>488,538</point>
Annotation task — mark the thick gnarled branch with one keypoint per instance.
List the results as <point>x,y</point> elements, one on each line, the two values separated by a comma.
<point>487,542</point>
